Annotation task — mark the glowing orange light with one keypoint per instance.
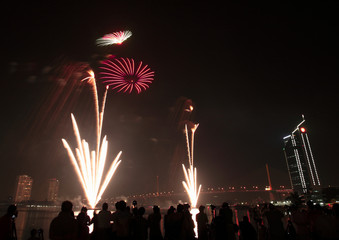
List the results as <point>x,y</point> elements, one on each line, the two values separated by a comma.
<point>302,129</point>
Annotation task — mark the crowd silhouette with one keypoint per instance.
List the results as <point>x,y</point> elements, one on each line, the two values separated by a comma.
<point>266,222</point>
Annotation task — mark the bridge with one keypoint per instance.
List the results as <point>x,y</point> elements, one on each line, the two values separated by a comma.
<point>215,196</point>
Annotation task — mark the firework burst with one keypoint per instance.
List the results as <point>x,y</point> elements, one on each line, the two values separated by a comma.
<point>113,38</point>
<point>124,75</point>
<point>90,165</point>
<point>190,185</point>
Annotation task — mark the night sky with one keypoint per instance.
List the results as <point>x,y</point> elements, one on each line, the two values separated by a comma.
<point>250,70</point>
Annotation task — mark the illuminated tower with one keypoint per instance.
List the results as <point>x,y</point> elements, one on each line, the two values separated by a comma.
<point>300,160</point>
<point>53,189</point>
<point>24,188</point>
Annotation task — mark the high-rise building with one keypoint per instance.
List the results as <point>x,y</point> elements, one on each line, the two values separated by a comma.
<point>53,189</point>
<point>24,188</point>
<point>300,160</point>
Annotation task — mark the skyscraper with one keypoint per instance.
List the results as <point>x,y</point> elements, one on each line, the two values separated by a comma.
<point>24,188</point>
<point>53,189</point>
<point>300,160</point>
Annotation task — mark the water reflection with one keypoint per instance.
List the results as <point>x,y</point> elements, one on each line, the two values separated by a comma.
<point>29,218</point>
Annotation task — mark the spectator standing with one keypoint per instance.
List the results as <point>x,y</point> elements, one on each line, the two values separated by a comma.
<point>247,231</point>
<point>64,226</point>
<point>141,226</point>
<point>169,224</point>
<point>104,223</point>
<point>202,222</point>
<point>7,223</point>
<point>275,225</point>
<point>83,222</point>
<point>154,224</point>
<point>121,221</point>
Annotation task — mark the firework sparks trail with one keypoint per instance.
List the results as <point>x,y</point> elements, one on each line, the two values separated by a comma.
<point>125,75</point>
<point>90,165</point>
<point>190,185</point>
<point>113,38</point>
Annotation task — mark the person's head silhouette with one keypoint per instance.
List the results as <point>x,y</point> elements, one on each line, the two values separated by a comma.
<point>104,206</point>
<point>66,206</point>
<point>156,209</point>
<point>201,208</point>
<point>245,219</point>
<point>12,210</point>
<point>141,211</point>
<point>84,209</point>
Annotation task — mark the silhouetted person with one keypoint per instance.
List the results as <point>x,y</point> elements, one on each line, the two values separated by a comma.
<point>121,221</point>
<point>335,210</point>
<point>220,226</point>
<point>154,224</point>
<point>104,223</point>
<point>247,231</point>
<point>202,222</point>
<point>94,221</point>
<point>34,235</point>
<point>302,223</point>
<point>327,226</point>
<point>275,225</point>
<point>83,222</point>
<point>313,212</point>
<point>178,222</point>
<point>7,223</point>
<point>41,234</point>
<point>227,214</point>
<point>133,222</point>
<point>64,226</point>
<point>291,234</point>
<point>141,226</point>
<point>169,224</point>
<point>187,224</point>
<point>262,230</point>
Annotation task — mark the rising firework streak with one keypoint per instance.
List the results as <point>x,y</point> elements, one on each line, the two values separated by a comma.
<point>90,165</point>
<point>190,185</point>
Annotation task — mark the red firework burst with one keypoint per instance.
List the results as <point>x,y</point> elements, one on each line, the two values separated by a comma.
<point>125,75</point>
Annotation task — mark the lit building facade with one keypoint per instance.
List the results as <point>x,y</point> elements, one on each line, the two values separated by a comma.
<point>24,188</point>
<point>53,189</point>
<point>300,161</point>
